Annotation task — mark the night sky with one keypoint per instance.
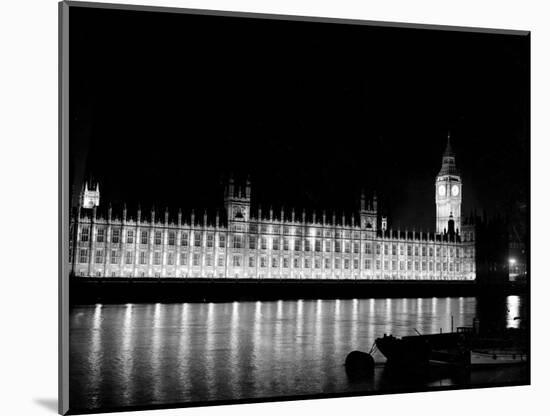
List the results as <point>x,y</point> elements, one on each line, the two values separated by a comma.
<point>163,105</point>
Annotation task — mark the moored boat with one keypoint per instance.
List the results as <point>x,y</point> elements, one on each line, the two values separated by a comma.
<point>464,348</point>
<point>497,357</point>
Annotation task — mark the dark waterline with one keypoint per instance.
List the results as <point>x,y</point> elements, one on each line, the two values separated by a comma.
<point>156,354</point>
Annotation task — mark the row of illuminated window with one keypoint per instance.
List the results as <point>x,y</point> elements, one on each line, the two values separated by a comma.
<point>285,262</point>
<point>297,231</point>
<point>276,243</point>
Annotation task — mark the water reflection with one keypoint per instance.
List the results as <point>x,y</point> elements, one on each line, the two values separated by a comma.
<point>173,353</point>
<point>127,354</point>
<point>95,356</point>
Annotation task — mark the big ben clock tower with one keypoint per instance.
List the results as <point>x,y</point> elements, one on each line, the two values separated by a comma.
<point>448,191</point>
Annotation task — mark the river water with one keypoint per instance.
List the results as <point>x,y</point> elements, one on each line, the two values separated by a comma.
<point>162,354</point>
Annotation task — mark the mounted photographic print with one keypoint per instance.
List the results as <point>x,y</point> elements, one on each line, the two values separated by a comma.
<point>262,208</point>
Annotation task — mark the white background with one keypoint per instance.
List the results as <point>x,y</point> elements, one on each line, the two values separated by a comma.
<point>28,203</point>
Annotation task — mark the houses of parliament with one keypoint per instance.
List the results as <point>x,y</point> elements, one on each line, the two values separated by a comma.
<point>241,244</point>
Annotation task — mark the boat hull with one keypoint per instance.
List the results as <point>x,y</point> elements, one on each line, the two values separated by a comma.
<point>496,358</point>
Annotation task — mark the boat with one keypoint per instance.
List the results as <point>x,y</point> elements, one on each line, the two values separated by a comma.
<point>463,348</point>
<point>492,357</point>
<point>416,350</point>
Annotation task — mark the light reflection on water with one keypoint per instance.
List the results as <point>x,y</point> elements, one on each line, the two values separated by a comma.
<point>143,354</point>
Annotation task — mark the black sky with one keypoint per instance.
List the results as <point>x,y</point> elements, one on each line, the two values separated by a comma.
<point>163,104</point>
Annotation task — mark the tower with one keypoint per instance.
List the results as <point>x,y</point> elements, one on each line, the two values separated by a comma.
<point>89,197</point>
<point>448,191</point>
<point>368,213</point>
<point>237,202</point>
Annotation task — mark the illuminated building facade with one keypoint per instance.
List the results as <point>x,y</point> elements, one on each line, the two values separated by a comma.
<point>268,245</point>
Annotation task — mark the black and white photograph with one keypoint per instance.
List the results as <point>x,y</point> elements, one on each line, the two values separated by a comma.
<point>272,208</point>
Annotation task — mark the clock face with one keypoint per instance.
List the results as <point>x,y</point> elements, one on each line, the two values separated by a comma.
<point>441,190</point>
<point>455,190</point>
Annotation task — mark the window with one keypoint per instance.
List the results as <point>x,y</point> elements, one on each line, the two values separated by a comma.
<point>263,261</point>
<point>285,244</point>
<point>275,243</point>
<point>297,244</point>
<point>274,262</point>
<point>444,267</point>
<point>251,262</point>
<point>306,263</point>
<point>346,264</point>
<point>285,263</point>
<point>307,244</point>
<point>156,258</point>
<point>237,241</point>
<point>438,251</point>
<point>409,250</point>
<point>221,261</point>
<point>210,240</point>
<point>317,245</point>
<point>431,252</point>
<point>424,251</point>
<point>296,263</point>
<point>197,239</point>
<point>368,264</point>
<point>327,246</point>
<point>347,246</point>
<point>416,266</point>
<point>85,234</point>
<point>144,237</point>
<point>143,258</point>
<point>115,238</point>
<point>171,238</point>
<point>416,250</point>
<point>263,242</point>
<point>337,245</point>
<point>317,263</point>
<point>327,263</point>
<point>128,257</point>
<point>394,249</point>
<point>394,265</point>
<point>386,250</point>
<point>401,265</point>
<point>236,261</point>
<point>450,267</point>
<point>100,238</point>
<point>355,248</point>
<point>221,241</point>
<point>98,256</point>
<point>183,259</point>
<point>170,259</point>
<point>431,266</point>
<point>184,239</point>
<point>401,249</point>
<point>158,238</point>
<point>252,242</point>
<point>438,267</point>
<point>355,264</point>
<point>409,265</point>
<point>337,263</point>
<point>114,256</point>
<point>378,249</point>
<point>130,237</point>
<point>83,255</point>
<point>196,259</point>
<point>386,264</point>
<point>368,248</point>
<point>423,266</point>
